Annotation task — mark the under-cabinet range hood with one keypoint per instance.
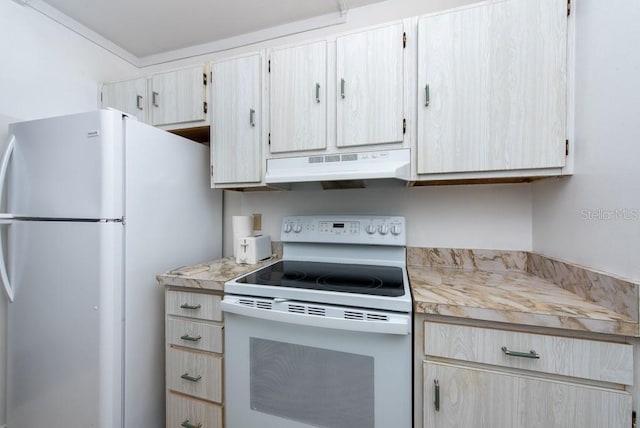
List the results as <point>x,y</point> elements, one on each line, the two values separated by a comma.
<point>341,170</point>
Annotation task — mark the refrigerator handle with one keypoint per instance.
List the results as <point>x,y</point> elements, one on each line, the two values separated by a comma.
<point>5,218</point>
<point>8,289</point>
<point>5,162</point>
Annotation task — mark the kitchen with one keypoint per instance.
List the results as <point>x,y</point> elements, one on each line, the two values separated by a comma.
<point>48,70</point>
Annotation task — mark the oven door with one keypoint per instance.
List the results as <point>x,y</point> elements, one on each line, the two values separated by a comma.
<point>284,368</point>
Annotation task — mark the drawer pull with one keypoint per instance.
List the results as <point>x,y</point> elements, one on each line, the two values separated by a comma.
<point>187,424</point>
<point>530,354</point>
<point>190,338</point>
<point>436,391</point>
<point>191,378</point>
<point>190,307</point>
<point>426,96</point>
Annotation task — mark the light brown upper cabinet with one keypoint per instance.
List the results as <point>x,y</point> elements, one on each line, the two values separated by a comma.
<point>298,102</point>
<point>236,124</point>
<point>492,87</point>
<point>371,87</point>
<point>129,96</point>
<point>179,97</point>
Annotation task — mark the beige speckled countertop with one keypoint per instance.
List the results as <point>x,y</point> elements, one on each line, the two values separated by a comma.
<point>511,287</point>
<point>497,287</point>
<point>211,275</point>
<point>511,297</point>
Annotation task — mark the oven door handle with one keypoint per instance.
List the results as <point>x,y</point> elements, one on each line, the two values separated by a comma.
<point>396,324</point>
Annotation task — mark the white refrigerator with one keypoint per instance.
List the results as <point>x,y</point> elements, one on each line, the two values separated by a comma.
<point>97,205</point>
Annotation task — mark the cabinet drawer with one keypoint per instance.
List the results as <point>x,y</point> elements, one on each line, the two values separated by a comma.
<point>194,334</point>
<point>187,412</point>
<point>582,358</point>
<point>195,373</point>
<point>194,305</point>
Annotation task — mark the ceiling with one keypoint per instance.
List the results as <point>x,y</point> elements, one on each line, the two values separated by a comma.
<point>148,28</point>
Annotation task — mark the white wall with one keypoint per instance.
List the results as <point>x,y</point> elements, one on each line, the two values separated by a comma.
<point>479,216</point>
<point>573,218</point>
<point>46,69</point>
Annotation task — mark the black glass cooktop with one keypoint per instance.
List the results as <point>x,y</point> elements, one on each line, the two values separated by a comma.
<point>346,278</point>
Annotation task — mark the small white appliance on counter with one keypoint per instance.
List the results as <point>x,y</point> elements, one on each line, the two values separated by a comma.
<point>252,249</point>
<point>323,337</point>
<point>98,205</point>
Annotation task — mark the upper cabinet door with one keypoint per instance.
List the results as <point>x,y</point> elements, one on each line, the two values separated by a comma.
<point>129,96</point>
<point>492,87</point>
<point>298,102</point>
<point>370,84</point>
<point>236,152</point>
<point>179,96</point>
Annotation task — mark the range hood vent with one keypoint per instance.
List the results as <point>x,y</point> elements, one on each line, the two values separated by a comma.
<point>341,170</point>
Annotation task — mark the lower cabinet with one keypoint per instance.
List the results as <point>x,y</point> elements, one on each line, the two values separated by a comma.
<point>479,377</point>
<point>187,412</point>
<point>194,359</point>
<point>458,396</point>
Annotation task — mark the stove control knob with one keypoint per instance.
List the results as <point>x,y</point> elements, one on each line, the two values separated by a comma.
<point>297,228</point>
<point>287,227</point>
<point>383,229</point>
<point>395,230</point>
<point>371,229</point>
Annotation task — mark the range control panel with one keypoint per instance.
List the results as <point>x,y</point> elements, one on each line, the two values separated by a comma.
<point>345,229</point>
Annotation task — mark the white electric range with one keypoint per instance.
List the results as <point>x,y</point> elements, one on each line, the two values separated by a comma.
<point>323,336</point>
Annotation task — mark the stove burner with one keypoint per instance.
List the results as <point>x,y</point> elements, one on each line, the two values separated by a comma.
<point>276,277</point>
<point>340,282</point>
<point>330,277</point>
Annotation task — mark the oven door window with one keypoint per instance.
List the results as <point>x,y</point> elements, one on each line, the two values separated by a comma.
<point>315,386</point>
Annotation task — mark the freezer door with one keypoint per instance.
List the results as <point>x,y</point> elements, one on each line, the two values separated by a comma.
<point>67,167</point>
<point>65,334</point>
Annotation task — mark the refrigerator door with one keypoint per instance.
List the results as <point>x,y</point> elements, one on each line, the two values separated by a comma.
<point>65,332</point>
<point>67,167</point>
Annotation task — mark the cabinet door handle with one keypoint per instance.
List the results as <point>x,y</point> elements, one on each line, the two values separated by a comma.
<point>436,391</point>
<point>186,376</point>
<point>190,338</point>
<point>154,99</point>
<point>191,307</point>
<point>187,424</point>
<point>342,88</point>
<point>530,354</point>
<point>317,92</point>
<point>252,117</point>
<point>139,102</point>
<point>426,95</point>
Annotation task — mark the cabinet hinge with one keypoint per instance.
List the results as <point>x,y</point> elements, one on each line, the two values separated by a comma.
<point>269,138</point>
<point>211,168</point>
<point>566,147</point>
<point>100,97</point>
<point>204,79</point>
<point>568,7</point>
<point>204,107</point>
<point>404,126</point>
<point>404,40</point>
<point>269,66</point>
